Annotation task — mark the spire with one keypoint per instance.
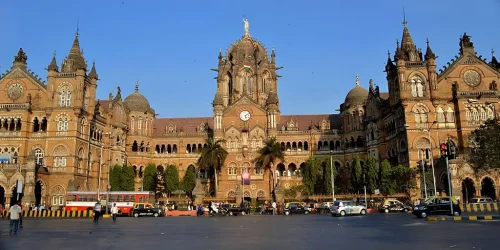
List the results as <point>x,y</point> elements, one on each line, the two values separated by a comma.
<point>93,72</point>
<point>406,40</point>
<point>74,60</point>
<point>273,56</point>
<point>429,55</point>
<point>218,99</point>
<point>371,84</point>
<point>53,64</point>
<point>357,80</point>
<point>136,86</point>
<point>494,61</point>
<point>466,45</point>
<point>389,65</point>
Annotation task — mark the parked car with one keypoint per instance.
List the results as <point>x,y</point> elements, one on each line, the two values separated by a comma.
<point>295,208</point>
<point>437,206</point>
<point>234,209</point>
<point>481,200</point>
<point>393,205</point>
<point>146,209</point>
<point>342,208</point>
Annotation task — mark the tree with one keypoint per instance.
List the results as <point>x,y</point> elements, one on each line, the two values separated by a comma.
<point>148,181</point>
<point>356,175</point>
<point>127,178</point>
<point>115,177</point>
<point>387,183</point>
<point>213,157</point>
<point>310,174</point>
<point>267,156</point>
<point>404,178</point>
<point>171,179</point>
<point>122,178</point>
<point>371,174</point>
<point>327,175</point>
<point>485,142</point>
<point>189,180</point>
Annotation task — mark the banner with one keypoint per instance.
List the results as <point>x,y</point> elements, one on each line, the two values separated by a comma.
<point>245,179</point>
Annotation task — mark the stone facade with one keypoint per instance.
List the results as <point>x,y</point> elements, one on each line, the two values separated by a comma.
<point>70,134</point>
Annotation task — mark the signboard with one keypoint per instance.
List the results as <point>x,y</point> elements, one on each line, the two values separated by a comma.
<point>245,178</point>
<point>19,185</point>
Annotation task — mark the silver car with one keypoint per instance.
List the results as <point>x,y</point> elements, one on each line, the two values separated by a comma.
<point>347,208</point>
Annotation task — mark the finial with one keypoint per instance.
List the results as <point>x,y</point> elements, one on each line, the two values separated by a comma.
<point>371,83</point>
<point>220,50</point>
<point>357,80</point>
<point>492,52</point>
<point>427,42</point>
<point>397,43</point>
<point>54,54</point>
<point>404,17</point>
<point>77,27</point>
<point>389,54</point>
<point>136,86</point>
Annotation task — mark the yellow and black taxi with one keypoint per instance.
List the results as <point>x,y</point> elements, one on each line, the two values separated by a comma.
<point>439,205</point>
<point>295,208</point>
<point>146,209</point>
<point>393,205</point>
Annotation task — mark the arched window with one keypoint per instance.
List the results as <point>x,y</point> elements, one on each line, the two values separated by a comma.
<point>60,156</point>
<point>483,114</point>
<point>132,124</point>
<point>420,111</point>
<point>65,97</point>
<point>475,114</point>
<point>450,115</point>
<point>491,114</point>
<point>39,156</point>
<point>440,115</point>
<point>468,114</point>
<point>62,124</point>
<point>139,124</point>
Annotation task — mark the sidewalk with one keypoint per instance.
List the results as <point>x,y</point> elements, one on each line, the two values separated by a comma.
<point>462,218</point>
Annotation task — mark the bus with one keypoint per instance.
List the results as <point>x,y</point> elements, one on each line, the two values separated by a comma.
<point>85,200</point>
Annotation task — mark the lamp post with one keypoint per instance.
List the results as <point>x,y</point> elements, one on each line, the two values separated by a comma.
<point>431,156</point>
<point>332,177</point>
<point>421,163</point>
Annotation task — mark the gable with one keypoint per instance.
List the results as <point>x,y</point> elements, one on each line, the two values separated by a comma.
<point>244,101</point>
<point>28,76</point>
<point>466,60</point>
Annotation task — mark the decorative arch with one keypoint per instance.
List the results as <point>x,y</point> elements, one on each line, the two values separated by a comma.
<point>420,108</point>
<point>14,178</point>
<point>417,74</point>
<point>261,194</point>
<point>60,149</point>
<point>247,193</point>
<point>231,194</point>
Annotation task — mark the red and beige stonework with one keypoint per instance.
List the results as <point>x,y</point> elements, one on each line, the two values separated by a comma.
<point>70,133</point>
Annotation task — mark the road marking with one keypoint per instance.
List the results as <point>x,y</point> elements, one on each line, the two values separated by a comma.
<point>413,224</point>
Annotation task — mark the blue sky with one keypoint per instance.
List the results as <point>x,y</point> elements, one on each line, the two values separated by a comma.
<point>169,46</point>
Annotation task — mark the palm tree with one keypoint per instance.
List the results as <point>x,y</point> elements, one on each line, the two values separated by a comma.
<point>212,156</point>
<point>268,154</point>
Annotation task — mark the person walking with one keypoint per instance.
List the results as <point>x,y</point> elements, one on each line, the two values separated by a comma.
<point>274,207</point>
<point>15,215</point>
<point>1,210</point>
<point>114,212</point>
<point>97,211</point>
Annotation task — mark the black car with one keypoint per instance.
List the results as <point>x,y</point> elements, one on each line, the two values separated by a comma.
<point>295,208</point>
<point>437,206</point>
<point>146,209</point>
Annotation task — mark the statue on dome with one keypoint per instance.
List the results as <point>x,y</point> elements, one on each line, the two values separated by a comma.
<point>247,26</point>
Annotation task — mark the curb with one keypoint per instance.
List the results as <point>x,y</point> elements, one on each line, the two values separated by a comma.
<point>461,218</point>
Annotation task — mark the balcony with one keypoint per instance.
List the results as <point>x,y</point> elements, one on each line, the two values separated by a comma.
<point>13,166</point>
<point>10,133</point>
<point>11,106</point>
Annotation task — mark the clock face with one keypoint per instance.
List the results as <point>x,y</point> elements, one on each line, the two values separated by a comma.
<point>245,115</point>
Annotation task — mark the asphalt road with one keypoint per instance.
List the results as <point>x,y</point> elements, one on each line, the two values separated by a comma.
<point>377,231</point>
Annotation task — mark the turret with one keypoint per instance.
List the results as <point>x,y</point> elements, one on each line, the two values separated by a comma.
<point>20,60</point>
<point>430,61</point>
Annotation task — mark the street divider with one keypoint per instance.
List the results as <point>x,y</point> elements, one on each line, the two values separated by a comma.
<point>463,218</point>
<point>54,214</point>
<point>487,207</point>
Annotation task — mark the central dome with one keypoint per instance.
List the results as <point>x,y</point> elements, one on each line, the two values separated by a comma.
<point>357,95</point>
<point>245,48</point>
<point>137,102</point>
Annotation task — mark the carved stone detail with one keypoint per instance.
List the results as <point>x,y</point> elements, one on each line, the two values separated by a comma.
<point>472,78</point>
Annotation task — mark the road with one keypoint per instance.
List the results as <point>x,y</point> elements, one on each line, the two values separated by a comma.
<point>377,231</point>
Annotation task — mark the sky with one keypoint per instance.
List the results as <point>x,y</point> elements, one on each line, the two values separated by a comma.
<point>170,46</point>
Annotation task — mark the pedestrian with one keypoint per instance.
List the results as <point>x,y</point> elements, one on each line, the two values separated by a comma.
<point>97,211</point>
<point>114,212</point>
<point>279,208</point>
<point>1,210</point>
<point>15,215</point>
<point>274,207</point>
<point>21,215</point>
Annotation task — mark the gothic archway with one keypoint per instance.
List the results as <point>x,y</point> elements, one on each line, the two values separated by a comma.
<point>2,195</point>
<point>468,190</point>
<point>38,192</point>
<point>14,199</point>
<point>444,184</point>
<point>488,188</point>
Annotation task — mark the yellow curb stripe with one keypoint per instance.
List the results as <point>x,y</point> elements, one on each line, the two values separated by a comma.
<point>456,218</point>
<point>488,217</point>
<point>472,217</point>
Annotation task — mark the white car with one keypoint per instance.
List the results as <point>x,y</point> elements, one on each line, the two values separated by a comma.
<point>342,208</point>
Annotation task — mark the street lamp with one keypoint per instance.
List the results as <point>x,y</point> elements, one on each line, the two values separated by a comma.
<point>332,178</point>
<point>432,158</point>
